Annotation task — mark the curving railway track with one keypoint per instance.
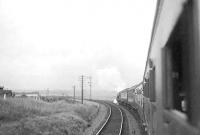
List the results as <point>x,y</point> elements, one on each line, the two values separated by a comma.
<point>114,122</point>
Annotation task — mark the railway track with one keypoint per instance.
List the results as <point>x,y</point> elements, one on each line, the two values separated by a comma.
<point>114,122</point>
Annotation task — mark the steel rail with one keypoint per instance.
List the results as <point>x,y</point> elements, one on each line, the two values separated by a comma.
<point>122,121</point>
<point>110,112</point>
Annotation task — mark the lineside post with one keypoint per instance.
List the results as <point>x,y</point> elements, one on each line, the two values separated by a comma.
<point>90,84</point>
<point>82,89</point>
<point>74,92</point>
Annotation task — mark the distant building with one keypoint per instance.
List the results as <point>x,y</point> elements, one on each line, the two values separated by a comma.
<point>34,95</point>
<point>5,93</point>
<point>1,88</point>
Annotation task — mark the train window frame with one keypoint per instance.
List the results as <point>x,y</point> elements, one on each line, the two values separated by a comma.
<point>152,91</point>
<point>167,83</point>
<point>146,87</point>
<point>176,55</point>
<point>175,77</point>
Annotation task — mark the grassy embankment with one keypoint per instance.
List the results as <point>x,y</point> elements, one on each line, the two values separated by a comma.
<point>23,116</point>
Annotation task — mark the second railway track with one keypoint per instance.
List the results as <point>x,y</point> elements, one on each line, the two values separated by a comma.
<point>114,122</point>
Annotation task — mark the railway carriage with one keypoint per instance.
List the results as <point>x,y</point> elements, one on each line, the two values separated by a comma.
<point>133,99</point>
<point>171,81</point>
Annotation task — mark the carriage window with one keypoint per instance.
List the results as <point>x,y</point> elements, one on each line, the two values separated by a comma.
<point>146,87</point>
<point>152,84</point>
<point>174,74</point>
<point>151,81</point>
<point>176,66</point>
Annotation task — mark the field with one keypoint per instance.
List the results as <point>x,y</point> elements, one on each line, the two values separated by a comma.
<point>24,116</point>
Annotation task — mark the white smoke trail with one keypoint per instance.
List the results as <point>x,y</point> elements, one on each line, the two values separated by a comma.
<point>110,79</point>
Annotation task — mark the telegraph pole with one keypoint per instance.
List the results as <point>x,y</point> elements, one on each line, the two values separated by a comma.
<point>82,85</point>
<point>47,94</point>
<point>90,84</point>
<point>82,77</point>
<point>74,92</point>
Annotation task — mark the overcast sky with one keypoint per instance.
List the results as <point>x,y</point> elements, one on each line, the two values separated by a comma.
<point>50,43</point>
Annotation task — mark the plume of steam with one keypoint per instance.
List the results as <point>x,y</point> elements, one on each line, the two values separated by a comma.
<point>110,79</point>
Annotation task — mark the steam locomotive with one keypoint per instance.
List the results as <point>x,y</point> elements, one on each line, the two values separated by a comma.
<point>168,98</point>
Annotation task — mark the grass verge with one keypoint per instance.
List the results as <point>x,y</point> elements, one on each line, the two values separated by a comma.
<point>23,116</point>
